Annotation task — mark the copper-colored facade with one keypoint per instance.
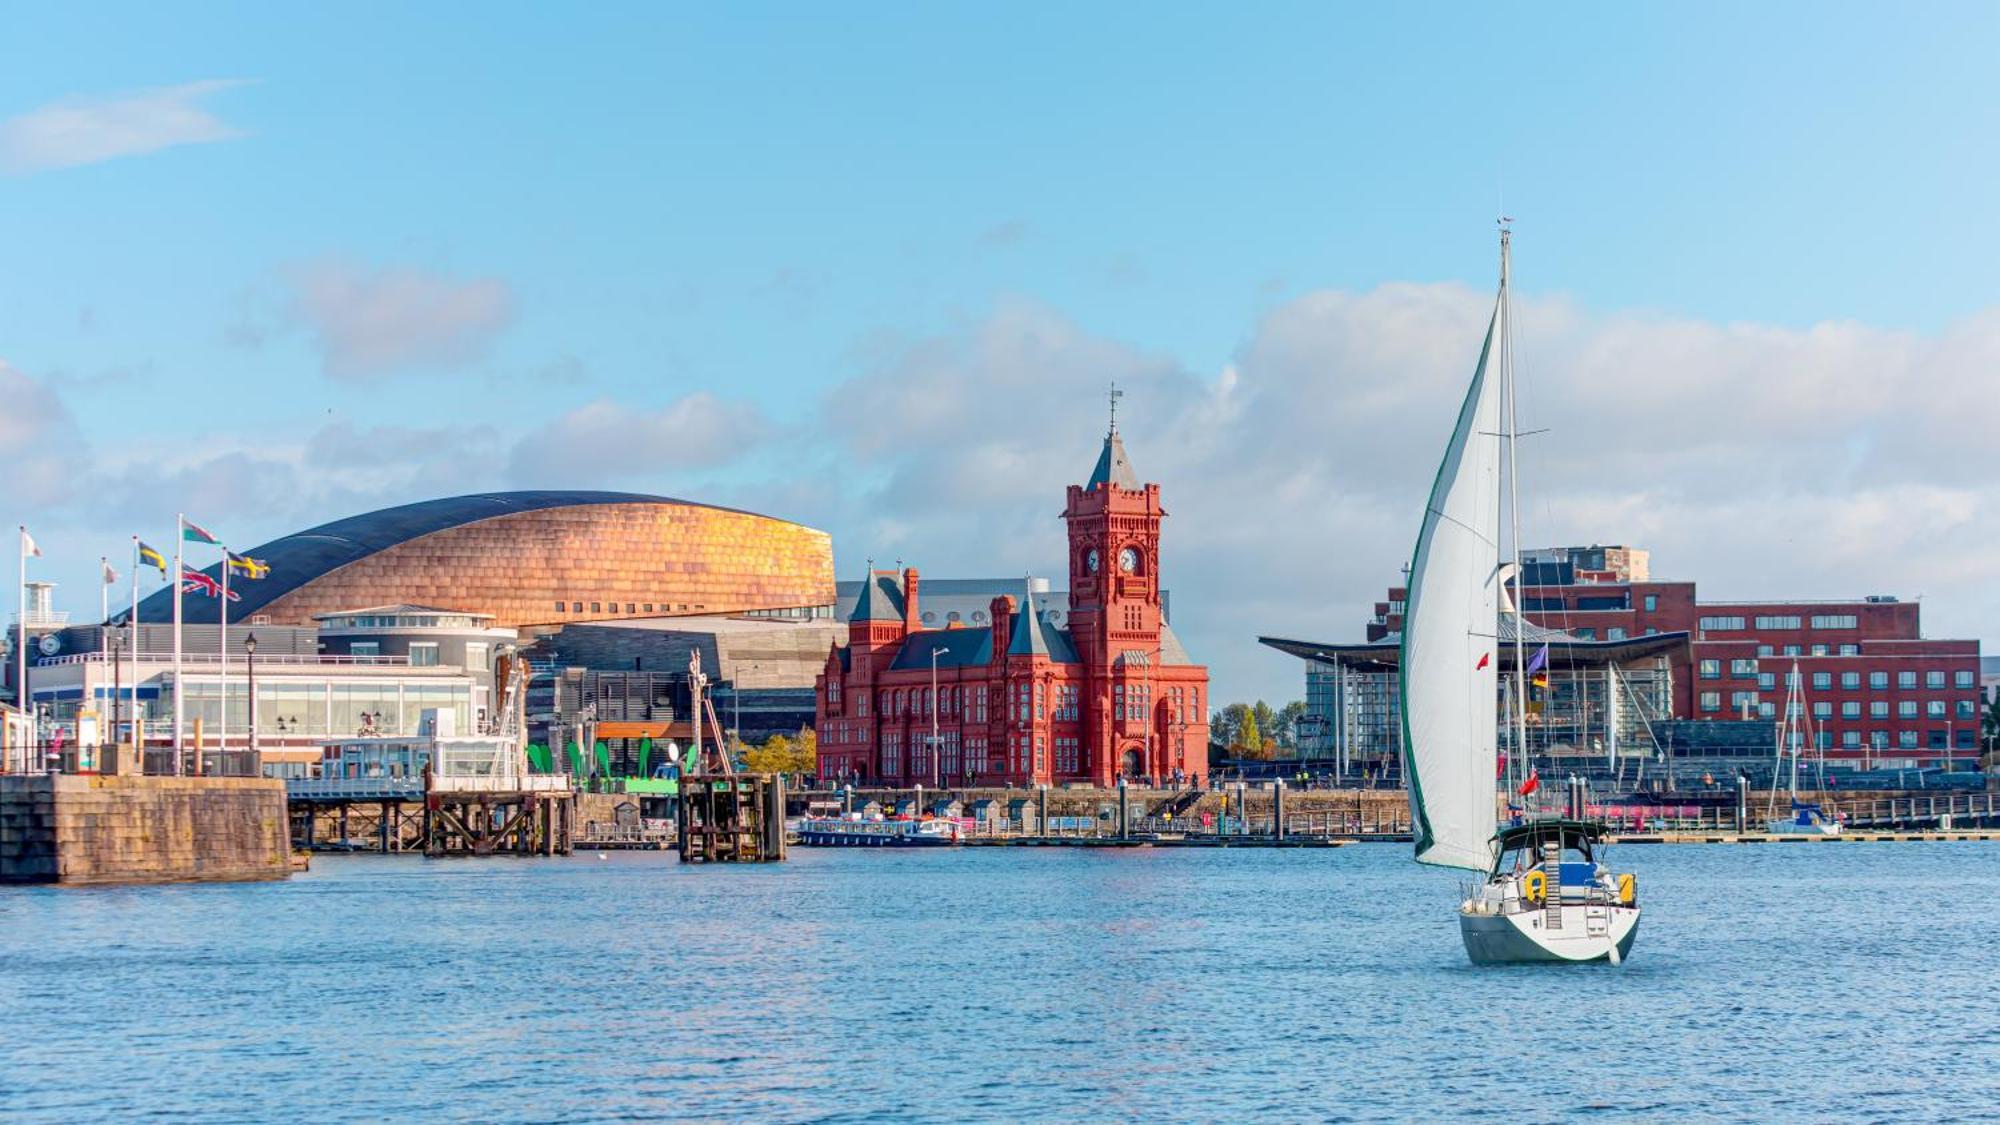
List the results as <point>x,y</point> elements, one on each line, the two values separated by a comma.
<point>586,562</point>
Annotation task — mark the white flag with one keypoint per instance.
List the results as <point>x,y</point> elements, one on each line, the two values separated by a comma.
<point>28,547</point>
<point>110,573</point>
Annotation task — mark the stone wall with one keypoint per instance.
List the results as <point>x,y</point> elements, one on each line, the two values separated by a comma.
<point>70,829</point>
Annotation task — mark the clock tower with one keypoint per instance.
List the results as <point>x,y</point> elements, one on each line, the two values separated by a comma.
<point>1114,559</point>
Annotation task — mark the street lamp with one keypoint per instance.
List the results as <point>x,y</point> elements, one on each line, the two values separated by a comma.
<point>937,771</point>
<point>250,653</point>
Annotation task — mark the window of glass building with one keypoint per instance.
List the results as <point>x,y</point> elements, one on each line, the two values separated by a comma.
<point>424,655</point>
<point>366,650</point>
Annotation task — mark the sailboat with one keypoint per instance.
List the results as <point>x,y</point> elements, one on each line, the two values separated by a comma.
<point>1807,818</point>
<point>1544,895</point>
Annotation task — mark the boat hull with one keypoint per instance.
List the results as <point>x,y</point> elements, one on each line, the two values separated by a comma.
<point>842,840</point>
<point>1504,939</point>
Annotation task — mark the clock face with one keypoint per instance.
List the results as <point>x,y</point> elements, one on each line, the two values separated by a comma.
<point>1090,561</point>
<point>1128,560</point>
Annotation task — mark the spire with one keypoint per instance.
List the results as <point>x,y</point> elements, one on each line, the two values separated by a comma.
<point>873,605</point>
<point>1028,639</point>
<point>1113,467</point>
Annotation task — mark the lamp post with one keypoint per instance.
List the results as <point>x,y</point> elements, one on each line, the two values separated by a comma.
<point>117,695</point>
<point>250,655</point>
<point>937,771</point>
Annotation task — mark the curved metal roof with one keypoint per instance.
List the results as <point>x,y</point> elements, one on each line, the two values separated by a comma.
<point>299,558</point>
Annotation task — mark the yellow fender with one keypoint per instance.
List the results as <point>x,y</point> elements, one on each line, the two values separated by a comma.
<point>1535,887</point>
<point>1628,889</point>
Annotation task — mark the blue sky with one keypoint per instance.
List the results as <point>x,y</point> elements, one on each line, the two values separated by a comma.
<point>437,233</point>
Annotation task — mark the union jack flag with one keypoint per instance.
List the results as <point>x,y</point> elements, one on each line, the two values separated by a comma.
<point>195,582</point>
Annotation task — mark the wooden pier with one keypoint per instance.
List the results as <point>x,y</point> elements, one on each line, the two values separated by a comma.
<point>725,816</point>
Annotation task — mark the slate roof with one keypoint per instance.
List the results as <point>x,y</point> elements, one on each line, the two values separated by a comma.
<point>962,648</point>
<point>1113,467</point>
<point>881,598</point>
<point>1034,636</point>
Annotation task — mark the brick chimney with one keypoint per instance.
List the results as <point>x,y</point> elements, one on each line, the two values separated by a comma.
<point>910,617</point>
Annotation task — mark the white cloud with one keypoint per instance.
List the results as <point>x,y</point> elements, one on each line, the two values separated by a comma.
<point>81,131</point>
<point>603,442</point>
<point>41,449</point>
<point>368,324</point>
<point>1759,461</point>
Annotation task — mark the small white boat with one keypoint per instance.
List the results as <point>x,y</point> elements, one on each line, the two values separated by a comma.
<point>1549,899</point>
<point>855,832</point>
<point>1808,818</point>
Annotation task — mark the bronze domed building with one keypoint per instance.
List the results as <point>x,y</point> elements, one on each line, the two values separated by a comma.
<point>531,559</point>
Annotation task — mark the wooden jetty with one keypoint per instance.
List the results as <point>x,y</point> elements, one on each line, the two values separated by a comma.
<point>725,816</point>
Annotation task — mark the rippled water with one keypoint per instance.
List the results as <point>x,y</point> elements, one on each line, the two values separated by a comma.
<point>1803,981</point>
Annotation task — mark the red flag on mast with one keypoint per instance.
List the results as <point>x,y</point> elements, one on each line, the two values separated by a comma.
<point>1533,783</point>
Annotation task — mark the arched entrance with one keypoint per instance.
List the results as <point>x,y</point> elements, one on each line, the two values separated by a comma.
<point>1131,765</point>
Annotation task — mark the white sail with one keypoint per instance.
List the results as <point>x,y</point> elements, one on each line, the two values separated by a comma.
<point>1450,657</point>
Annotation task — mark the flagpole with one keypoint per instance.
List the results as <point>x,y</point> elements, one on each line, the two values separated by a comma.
<point>138,724</point>
<point>222,714</point>
<point>21,701</point>
<point>180,548</point>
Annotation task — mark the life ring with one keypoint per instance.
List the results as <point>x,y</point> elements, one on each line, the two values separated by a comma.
<point>1628,889</point>
<point>1535,887</point>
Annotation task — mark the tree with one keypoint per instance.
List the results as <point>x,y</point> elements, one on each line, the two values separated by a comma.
<point>1989,724</point>
<point>1286,732</point>
<point>780,754</point>
<point>1248,736</point>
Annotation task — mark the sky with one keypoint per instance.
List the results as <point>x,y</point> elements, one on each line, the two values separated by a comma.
<point>872,268</point>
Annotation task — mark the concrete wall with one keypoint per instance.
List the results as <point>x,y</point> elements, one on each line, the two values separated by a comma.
<point>68,829</point>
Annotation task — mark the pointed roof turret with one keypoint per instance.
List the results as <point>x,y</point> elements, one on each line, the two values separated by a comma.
<point>1034,636</point>
<point>874,604</point>
<point>1028,639</point>
<point>1113,467</point>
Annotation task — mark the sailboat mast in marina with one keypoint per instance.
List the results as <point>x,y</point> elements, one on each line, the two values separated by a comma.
<point>1545,897</point>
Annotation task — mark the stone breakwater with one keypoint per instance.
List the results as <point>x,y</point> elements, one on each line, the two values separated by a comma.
<point>83,830</point>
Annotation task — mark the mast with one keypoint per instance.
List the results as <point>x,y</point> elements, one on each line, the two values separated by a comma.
<point>1520,693</point>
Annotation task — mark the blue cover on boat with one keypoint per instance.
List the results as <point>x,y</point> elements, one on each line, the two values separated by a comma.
<point>1578,874</point>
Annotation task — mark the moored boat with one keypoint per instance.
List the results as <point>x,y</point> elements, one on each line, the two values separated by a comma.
<point>854,832</point>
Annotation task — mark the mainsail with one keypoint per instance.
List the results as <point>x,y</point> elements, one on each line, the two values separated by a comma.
<point>1449,659</point>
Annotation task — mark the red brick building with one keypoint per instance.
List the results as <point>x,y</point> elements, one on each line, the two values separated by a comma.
<point>1875,687</point>
<point>1023,701</point>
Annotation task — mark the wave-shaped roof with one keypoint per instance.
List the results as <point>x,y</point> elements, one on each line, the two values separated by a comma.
<point>304,556</point>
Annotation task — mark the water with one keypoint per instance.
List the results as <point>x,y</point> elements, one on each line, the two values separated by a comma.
<point>1782,981</point>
